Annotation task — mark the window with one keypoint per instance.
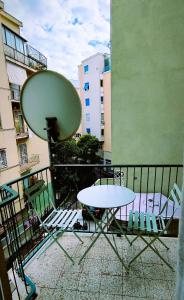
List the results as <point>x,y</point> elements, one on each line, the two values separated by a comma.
<point>101,82</point>
<point>23,154</point>
<point>10,38</point>
<point>13,40</point>
<point>18,121</point>
<point>102,118</point>
<point>19,44</point>
<point>102,132</point>
<point>87,102</point>
<point>4,36</point>
<point>78,135</point>
<point>88,130</point>
<point>88,117</point>
<point>102,99</point>
<point>106,64</point>
<point>3,160</point>
<point>15,91</point>
<point>86,86</point>
<point>86,68</point>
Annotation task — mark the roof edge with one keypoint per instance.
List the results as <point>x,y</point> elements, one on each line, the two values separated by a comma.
<point>10,17</point>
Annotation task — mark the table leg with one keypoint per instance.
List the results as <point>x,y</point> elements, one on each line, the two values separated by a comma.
<point>98,234</point>
<point>102,228</point>
<point>120,228</point>
<point>122,231</point>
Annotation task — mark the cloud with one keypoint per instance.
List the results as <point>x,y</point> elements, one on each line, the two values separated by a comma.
<point>47,27</point>
<point>76,21</point>
<point>65,31</point>
<point>95,43</point>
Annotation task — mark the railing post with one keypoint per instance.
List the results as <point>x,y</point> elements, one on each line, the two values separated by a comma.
<point>52,136</point>
<point>5,291</point>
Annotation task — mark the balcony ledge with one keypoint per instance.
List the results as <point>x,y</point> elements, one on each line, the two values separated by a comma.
<point>20,136</point>
<point>33,161</point>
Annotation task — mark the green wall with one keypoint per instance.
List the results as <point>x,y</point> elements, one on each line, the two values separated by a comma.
<point>147,81</point>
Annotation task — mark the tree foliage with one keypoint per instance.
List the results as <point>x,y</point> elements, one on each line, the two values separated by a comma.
<point>74,152</point>
<point>85,150</point>
<point>67,151</point>
<point>89,146</point>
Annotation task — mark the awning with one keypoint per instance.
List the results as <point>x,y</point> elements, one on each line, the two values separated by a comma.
<point>16,74</point>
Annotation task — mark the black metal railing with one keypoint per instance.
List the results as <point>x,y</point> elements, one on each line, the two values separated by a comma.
<point>151,184</point>
<point>10,241</point>
<point>21,234</point>
<point>31,61</point>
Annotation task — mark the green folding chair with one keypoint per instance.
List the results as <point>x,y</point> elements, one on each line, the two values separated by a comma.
<point>58,221</point>
<point>141,223</point>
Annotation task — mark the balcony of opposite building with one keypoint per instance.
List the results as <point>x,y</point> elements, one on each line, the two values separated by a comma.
<point>30,162</point>
<point>20,125</point>
<point>17,49</point>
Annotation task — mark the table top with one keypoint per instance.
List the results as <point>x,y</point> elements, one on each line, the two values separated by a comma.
<point>106,196</point>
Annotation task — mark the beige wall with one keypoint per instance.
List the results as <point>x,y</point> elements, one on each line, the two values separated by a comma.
<point>10,22</point>
<point>8,139</point>
<point>107,111</point>
<point>35,145</point>
<point>7,133</point>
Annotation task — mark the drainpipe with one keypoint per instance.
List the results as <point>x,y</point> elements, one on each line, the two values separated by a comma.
<point>180,260</point>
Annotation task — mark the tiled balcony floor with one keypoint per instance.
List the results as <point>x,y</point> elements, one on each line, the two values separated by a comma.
<point>101,275</point>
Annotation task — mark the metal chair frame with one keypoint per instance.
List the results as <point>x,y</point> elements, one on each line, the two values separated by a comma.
<point>58,221</point>
<point>137,225</point>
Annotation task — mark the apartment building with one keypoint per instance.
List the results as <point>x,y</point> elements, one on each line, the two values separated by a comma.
<point>76,85</point>
<point>20,150</point>
<point>95,94</point>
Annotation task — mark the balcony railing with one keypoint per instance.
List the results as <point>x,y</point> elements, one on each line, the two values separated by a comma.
<point>21,234</point>
<point>10,240</point>
<point>34,59</point>
<point>36,55</point>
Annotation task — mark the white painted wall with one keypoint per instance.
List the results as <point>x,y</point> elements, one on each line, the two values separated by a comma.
<point>96,67</point>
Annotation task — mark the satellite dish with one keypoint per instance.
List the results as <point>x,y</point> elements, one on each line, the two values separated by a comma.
<point>49,95</point>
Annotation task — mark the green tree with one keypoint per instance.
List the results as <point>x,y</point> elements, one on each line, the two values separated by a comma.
<point>67,151</point>
<point>88,146</point>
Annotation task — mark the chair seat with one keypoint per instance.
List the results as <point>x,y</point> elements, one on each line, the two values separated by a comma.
<point>145,222</point>
<point>63,218</point>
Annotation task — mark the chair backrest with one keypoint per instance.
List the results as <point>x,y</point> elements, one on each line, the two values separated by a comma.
<point>175,196</point>
<point>34,192</point>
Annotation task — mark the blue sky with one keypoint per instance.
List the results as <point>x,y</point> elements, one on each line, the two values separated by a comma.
<point>66,31</point>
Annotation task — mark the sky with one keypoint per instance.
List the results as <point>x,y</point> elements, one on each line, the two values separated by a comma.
<point>65,31</point>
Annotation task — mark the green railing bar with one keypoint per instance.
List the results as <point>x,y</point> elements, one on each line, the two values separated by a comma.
<point>12,197</point>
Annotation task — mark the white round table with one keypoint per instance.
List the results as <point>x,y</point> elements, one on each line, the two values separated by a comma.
<point>111,198</point>
<point>106,196</point>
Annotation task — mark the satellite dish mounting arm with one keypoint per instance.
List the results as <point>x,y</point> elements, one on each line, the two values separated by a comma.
<point>52,135</point>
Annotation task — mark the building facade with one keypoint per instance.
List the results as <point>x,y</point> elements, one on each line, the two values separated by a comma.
<point>95,94</point>
<point>20,150</point>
